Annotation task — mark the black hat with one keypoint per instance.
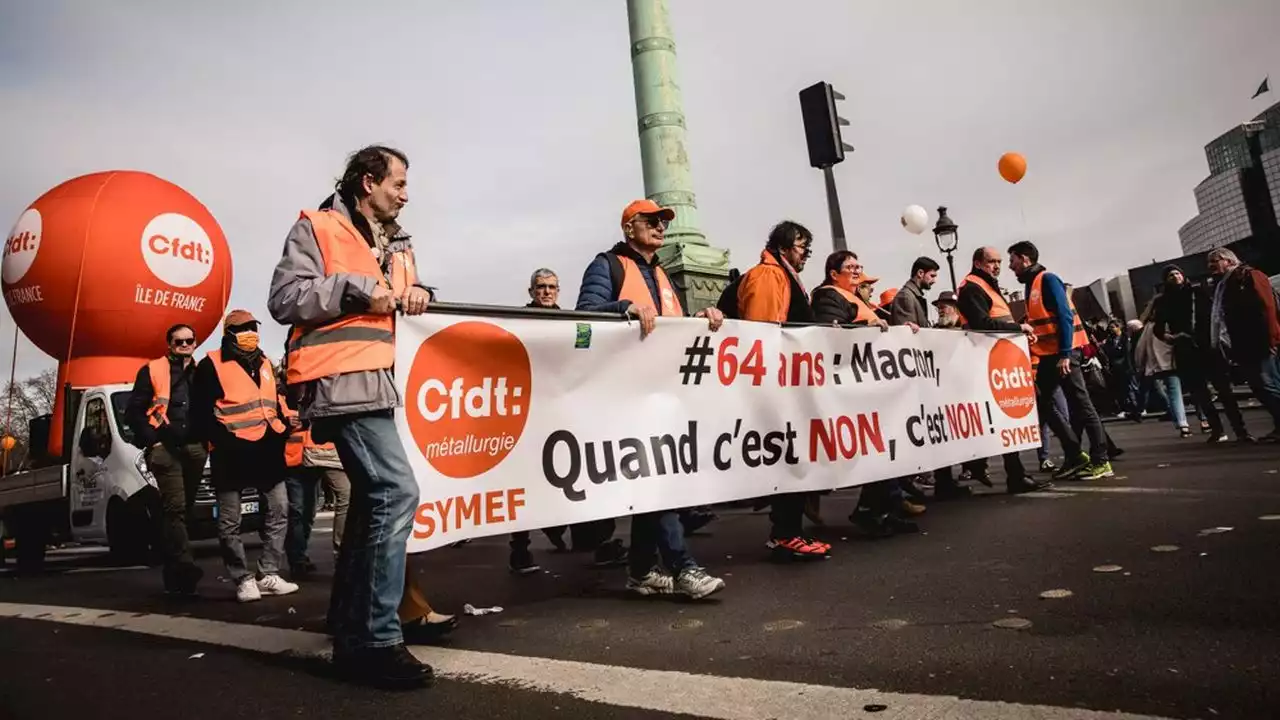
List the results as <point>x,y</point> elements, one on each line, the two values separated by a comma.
<point>1170,268</point>
<point>946,296</point>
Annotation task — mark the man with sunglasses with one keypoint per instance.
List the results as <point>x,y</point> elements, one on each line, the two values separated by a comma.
<point>157,413</point>
<point>628,279</point>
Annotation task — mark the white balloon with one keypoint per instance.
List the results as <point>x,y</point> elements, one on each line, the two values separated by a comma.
<point>915,219</point>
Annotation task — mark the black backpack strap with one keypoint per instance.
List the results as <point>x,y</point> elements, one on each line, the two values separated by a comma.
<point>615,272</point>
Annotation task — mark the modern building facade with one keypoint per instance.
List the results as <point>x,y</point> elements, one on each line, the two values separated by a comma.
<point>1239,198</point>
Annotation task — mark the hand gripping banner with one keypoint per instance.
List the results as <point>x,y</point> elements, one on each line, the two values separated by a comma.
<point>519,423</point>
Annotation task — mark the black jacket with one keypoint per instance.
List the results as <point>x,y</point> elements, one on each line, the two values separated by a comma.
<point>975,306</point>
<point>829,306</point>
<point>177,431</point>
<point>234,464</point>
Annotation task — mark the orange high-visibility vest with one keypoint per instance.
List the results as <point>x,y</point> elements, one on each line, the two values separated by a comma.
<point>1046,324</point>
<point>635,289</point>
<point>866,313</point>
<point>352,343</point>
<point>158,413</point>
<point>999,308</point>
<point>299,440</point>
<point>246,410</point>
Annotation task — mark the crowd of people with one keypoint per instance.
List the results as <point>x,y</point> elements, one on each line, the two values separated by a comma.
<point>323,418</point>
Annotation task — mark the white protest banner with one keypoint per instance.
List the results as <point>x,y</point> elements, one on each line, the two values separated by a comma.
<point>520,423</point>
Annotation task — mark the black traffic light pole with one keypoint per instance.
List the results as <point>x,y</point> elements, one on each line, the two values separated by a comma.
<point>826,147</point>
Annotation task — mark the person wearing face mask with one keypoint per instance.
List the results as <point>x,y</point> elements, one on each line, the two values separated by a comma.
<point>158,412</point>
<point>235,411</point>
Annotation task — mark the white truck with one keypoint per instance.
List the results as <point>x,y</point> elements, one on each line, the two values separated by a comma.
<point>99,491</point>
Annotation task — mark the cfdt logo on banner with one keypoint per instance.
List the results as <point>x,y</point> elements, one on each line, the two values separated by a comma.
<point>468,397</point>
<point>19,253</point>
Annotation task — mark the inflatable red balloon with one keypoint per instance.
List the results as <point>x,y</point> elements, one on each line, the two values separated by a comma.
<point>98,268</point>
<point>1012,167</point>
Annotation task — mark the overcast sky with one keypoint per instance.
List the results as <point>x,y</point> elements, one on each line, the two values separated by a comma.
<point>519,121</point>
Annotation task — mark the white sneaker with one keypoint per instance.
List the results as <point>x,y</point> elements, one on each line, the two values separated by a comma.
<point>247,590</point>
<point>276,585</point>
<point>655,583</point>
<point>697,584</point>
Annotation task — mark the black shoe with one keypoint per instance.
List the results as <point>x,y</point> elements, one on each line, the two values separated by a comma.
<point>522,563</point>
<point>870,525</point>
<point>912,490</point>
<point>181,580</point>
<point>1026,485</point>
<point>1115,452</point>
<point>951,492</point>
<point>612,554</point>
<point>557,539</point>
<point>982,477</point>
<point>301,569</point>
<point>387,668</point>
<point>695,521</point>
<point>899,525</point>
<point>425,632</point>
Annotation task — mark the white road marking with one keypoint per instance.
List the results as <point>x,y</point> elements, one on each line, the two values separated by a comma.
<point>75,571</point>
<point>725,698</point>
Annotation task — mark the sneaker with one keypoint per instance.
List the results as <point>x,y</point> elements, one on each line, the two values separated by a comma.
<point>1071,469</point>
<point>387,668</point>
<point>247,590</point>
<point>798,547</point>
<point>655,583</point>
<point>1216,438</point>
<point>696,520</point>
<point>522,563</point>
<point>1047,465</point>
<point>1026,485</point>
<point>697,584</point>
<point>870,525</point>
<point>611,554</point>
<point>1097,471</point>
<point>275,585</point>
<point>951,492</point>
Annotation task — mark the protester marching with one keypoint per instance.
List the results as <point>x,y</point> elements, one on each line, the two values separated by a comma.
<point>426,426</point>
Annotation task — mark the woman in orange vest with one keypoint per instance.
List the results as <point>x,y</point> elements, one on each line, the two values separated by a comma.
<point>235,411</point>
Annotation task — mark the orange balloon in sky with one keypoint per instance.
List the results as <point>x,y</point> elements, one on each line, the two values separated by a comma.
<point>1012,167</point>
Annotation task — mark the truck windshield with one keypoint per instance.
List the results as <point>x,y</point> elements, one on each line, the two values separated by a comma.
<point>119,401</point>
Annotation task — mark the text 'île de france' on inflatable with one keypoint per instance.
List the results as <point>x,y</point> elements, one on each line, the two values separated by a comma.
<point>98,268</point>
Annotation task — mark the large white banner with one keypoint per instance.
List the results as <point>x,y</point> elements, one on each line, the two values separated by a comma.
<point>519,424</point>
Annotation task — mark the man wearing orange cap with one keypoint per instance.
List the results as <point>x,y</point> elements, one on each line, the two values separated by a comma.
<point>628,279</point>
<point>235,411</point>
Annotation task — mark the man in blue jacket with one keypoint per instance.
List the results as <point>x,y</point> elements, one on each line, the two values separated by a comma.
<point>627,279</point>
<point>1059,338</point>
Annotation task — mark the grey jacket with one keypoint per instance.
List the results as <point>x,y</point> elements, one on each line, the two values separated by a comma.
<point>301,294</point>
<point>909,305</point>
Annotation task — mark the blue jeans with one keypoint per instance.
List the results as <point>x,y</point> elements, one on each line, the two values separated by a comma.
<point>1173,397</point>
<point>654,534</point>
<point>1060,407</point>
<point>369,579</point>
<point>1264,381</point>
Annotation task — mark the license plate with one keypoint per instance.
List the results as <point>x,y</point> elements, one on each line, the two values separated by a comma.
<point>248,507</point>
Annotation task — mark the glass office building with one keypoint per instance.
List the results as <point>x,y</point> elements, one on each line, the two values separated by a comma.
<point>1239,197</point>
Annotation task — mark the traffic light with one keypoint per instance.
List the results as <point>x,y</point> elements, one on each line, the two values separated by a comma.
<point>822,125</point>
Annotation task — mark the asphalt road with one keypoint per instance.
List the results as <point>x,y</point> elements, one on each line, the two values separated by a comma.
<point>1188,632</point>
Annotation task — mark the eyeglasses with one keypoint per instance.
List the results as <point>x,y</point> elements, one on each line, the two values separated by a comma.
<point>655,221</point>
<point>544,286</point>
<point>183,342</point>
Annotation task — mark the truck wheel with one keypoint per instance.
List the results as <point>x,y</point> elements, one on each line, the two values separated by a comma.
<point>30,536</point>
<point>124,534</point>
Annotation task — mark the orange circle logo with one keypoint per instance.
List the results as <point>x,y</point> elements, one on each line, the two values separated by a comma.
<point>468,397</point>
<point>1012,382</point>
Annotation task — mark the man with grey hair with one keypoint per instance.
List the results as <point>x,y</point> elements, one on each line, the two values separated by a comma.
<point>1244,327</point>
<point>544,289</point>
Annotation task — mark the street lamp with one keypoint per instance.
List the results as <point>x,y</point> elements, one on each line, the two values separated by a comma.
<point>948,239</point>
